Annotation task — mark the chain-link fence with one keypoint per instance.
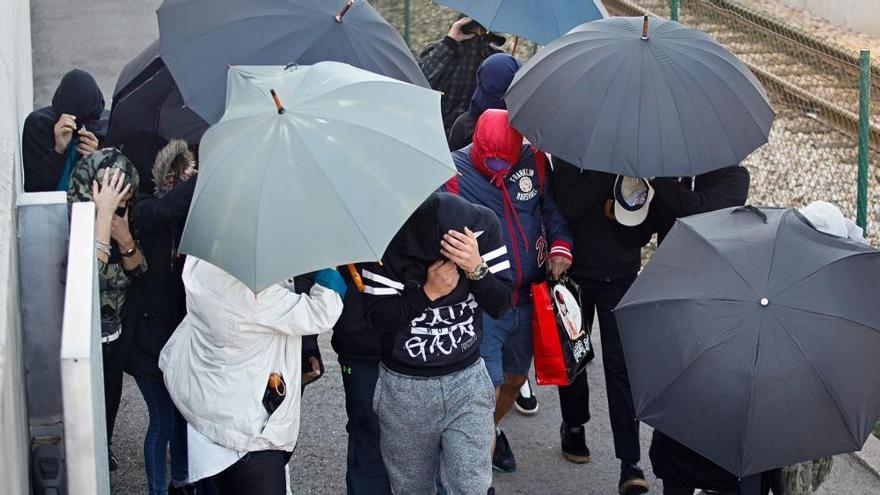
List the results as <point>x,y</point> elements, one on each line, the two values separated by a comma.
<point>813,85</point>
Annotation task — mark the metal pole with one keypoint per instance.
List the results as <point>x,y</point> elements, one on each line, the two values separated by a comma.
<point>864,123</point>
<point>673,10</point>
<point>406,21</point>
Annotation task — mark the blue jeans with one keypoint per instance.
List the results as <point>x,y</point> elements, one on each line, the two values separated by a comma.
<point>167,428</point>
<point>508,345</point>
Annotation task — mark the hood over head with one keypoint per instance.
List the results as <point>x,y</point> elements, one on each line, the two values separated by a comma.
<point>494,138</point>
<point>493,78</point>
<point>93,167</point>
<point>78,94</point>
<point>165,160</point>
<point>417,244</point>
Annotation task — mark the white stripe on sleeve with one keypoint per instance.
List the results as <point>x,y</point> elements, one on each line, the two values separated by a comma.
<point>382,280</point>
<point>504,265</point>
<point>491,255</point>
<point>380,291</point>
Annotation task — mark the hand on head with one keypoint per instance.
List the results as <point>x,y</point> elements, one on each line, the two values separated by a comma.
<point>111,193</point>
<point>462,249</point>
<point>456,33</point>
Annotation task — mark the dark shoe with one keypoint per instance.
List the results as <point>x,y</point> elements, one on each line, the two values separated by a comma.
<point>112,463</point>
<point>632,480</point>
<point>502,458</point>
<point>526,402</point>
<point>574,444</point>
<point>491,491</point>
<point>183,490</point>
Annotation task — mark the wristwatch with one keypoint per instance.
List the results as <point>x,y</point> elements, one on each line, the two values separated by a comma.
<point>479,272</point>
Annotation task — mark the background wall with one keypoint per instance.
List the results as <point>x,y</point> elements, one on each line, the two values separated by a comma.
<point>16,100</point>
<point>858,15</point>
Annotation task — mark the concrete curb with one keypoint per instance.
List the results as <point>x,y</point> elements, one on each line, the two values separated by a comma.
<point>869,456</point>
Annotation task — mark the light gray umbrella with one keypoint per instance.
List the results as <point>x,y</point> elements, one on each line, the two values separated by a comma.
<point>200,39</point>
<point>326,179</point>
<point>753,342</point>
<point>672,103</point>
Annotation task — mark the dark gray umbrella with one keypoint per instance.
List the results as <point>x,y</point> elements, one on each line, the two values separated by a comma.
<point>674,104</point>
<point>200,39</point>
<point>146,98</point>
<point>756,343</point>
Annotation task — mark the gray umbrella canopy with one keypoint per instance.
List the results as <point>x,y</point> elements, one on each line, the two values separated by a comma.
<point>327,181</point>
<point>755,344</point>
<point>200,39</point>
<point>674,104</point>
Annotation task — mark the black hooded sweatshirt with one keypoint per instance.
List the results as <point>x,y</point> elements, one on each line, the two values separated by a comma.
<point>421,337</point>
<point>77,94</point>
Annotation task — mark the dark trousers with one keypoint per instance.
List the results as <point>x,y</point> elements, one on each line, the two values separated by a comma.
<point>366,471</point>
<point>574,399</point>
<point>257,472</point>
<point>113,358</point>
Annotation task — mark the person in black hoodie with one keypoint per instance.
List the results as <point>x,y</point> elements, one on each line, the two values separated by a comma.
<point>157,304</point>
<point>359,349</point>
<point>54,138</point>
<point>609,257</point>
<point>434,398</point>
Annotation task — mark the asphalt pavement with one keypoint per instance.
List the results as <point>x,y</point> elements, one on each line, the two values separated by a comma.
<point>100,36</point>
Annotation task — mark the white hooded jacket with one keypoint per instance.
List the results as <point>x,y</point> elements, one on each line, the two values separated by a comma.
<point>217,363</point>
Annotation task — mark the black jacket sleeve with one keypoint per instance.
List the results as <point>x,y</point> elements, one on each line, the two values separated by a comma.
<point>578,191</point>
<point>723,188</point>
<point>151,213</point>
<point>388,303</point>
<point>494,292</point>
<point>42,165</point>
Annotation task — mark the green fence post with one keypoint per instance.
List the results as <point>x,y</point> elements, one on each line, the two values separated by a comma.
<point>864,123</point>
<point>406,21</point>
<point>673,10</point>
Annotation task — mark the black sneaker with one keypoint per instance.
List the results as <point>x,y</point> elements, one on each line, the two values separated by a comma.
<point>112,463</point>
<point>502,458</point>
<point>526,402</point>
<point>490,491</point>
<point>632,480</point>
<point>574,444</point>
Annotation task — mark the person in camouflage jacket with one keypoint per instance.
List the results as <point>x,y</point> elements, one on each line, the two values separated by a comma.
<point>804,478</point>
<point>109,179</point>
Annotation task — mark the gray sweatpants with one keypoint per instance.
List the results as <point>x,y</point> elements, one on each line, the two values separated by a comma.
<point>431,424</point>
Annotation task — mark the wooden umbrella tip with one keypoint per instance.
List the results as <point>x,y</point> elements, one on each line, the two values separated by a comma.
<point>277,101</point>
<point>645,28</point>
<point>344,10</point>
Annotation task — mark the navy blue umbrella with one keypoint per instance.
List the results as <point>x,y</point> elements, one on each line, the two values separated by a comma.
<point>541,21</point>
<point>200,39</point>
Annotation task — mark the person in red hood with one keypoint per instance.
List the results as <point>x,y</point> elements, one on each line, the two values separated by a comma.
<point>513,179</point>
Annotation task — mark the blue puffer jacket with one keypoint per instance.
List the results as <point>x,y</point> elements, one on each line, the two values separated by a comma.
<point>533,227</point>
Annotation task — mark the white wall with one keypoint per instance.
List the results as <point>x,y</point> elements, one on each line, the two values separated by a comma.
<point>859,15</point>
<point>16,100</point>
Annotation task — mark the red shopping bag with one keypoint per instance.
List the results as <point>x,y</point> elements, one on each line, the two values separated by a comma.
<point>562,344</point>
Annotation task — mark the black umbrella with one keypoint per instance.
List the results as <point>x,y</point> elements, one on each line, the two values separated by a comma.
<point>753,339</point>
<point>146,98</point>
<point>666,102</point>
<point>200,39</point>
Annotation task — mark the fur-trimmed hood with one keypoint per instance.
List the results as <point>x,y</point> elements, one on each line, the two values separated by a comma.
<point>164,160</point>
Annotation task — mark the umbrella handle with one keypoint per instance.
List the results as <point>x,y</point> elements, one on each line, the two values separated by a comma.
<point>356,277</point>
<point>753,210</point>
<point>344,10</point>
<point>645,29</point>
<point>515,43</point>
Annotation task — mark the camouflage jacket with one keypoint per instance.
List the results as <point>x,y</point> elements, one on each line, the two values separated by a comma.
<point>805,478</point>
<point>113,282</point>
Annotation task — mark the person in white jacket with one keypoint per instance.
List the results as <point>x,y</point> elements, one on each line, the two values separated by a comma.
<point>217,365</point>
